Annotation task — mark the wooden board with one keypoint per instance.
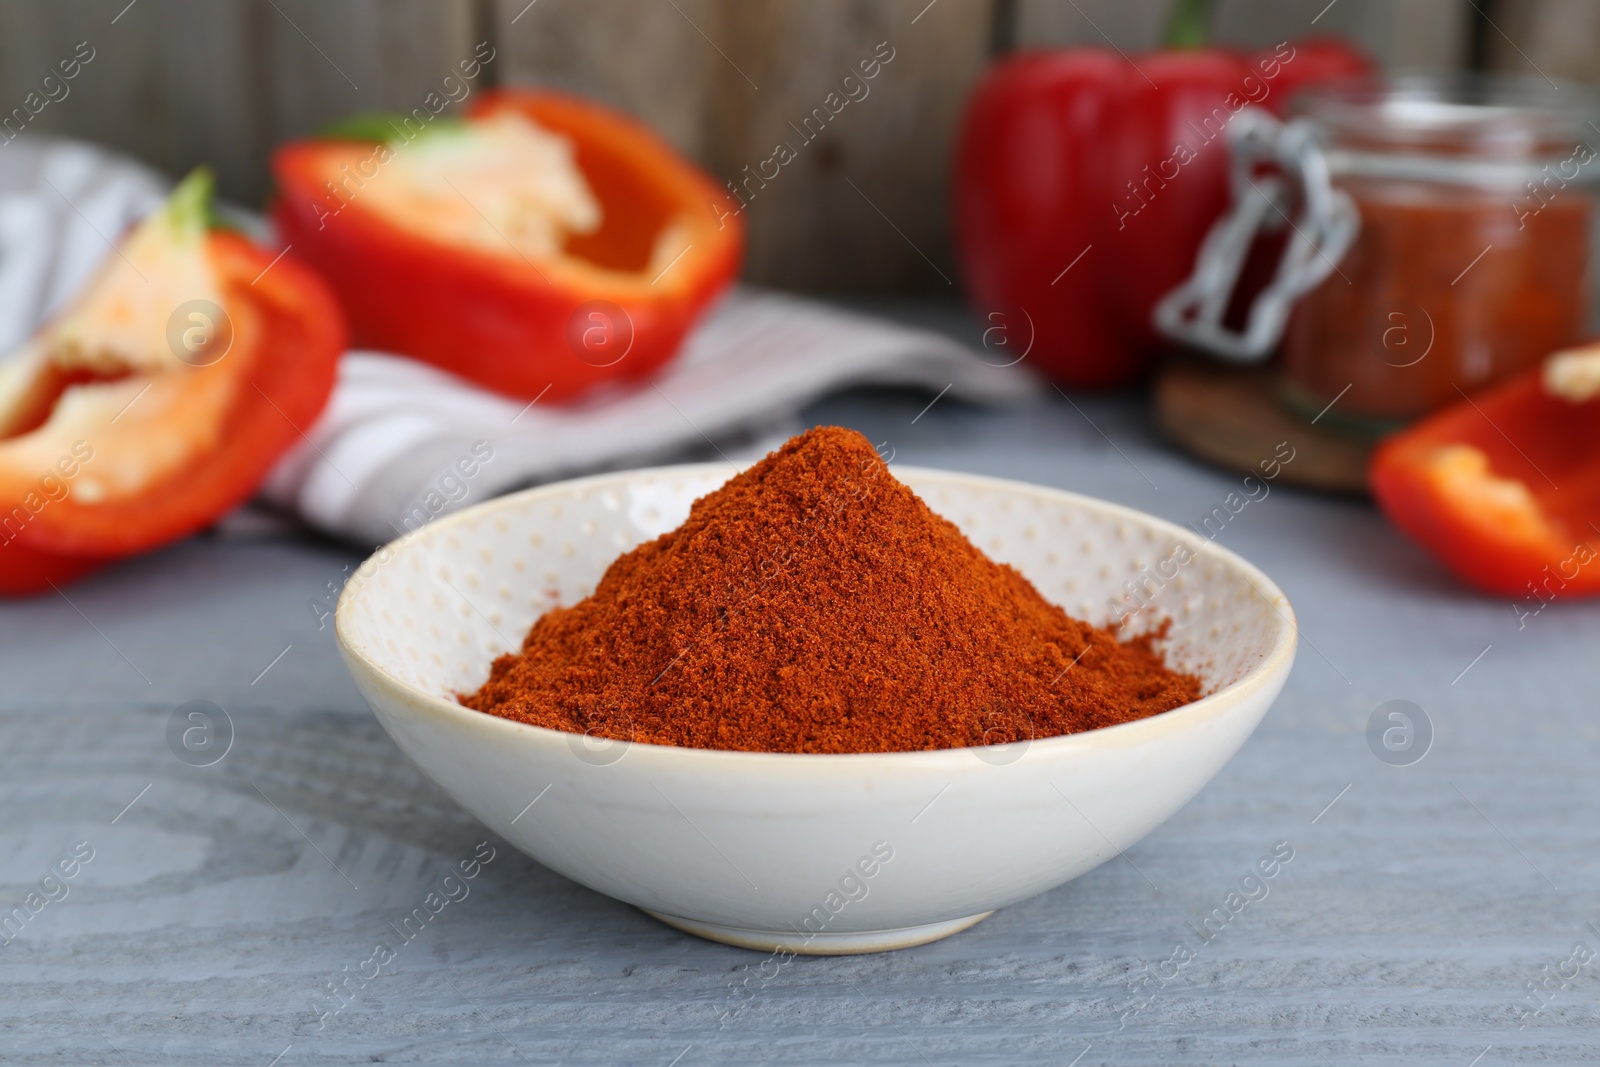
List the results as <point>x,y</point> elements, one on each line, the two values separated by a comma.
<point>862,205</point>
<point>1232,417</point>
<point>1400,34</point>
<point>864,208</point>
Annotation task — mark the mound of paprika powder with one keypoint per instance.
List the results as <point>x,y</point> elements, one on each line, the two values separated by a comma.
<point>815,604</point>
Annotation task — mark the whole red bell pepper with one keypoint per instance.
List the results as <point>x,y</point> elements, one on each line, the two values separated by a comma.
<point>160,398</point>
<point>1504,487</point>
<point>1085,181</point>
<point>612,302</point>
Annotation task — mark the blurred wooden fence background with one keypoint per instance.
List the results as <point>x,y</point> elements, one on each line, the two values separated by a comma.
<point>179,82</point>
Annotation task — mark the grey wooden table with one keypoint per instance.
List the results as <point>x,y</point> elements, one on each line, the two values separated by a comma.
<point>1431,913</point>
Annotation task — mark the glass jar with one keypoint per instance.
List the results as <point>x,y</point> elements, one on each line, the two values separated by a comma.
<point>1476,201</point>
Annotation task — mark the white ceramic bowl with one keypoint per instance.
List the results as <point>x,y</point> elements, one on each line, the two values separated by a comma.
<point>809,853</point>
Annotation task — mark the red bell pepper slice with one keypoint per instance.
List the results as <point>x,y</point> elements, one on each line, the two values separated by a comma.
<point>1504,487</point>
<point>111,448</point>
<point>1086,180</point>
<point>610,304</point>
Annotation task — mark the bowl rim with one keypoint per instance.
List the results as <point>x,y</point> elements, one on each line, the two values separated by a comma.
<point>1212,705</point>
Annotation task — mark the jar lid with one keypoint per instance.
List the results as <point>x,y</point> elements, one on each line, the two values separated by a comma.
<point>1468,128</point>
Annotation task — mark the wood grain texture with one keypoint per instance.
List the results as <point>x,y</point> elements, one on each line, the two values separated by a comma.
<point>1403,931</point>
<point>117,99</point>
<point>327,61</point>
<point>1133,27</point>
<point>658,61</point>
<point>183,82</point>
<point>1399,34</point>
<point>216,81</point>
<point>862,205</point>
<point>862,208</point>
<point>1410,34</point>
<point>1558,39</point>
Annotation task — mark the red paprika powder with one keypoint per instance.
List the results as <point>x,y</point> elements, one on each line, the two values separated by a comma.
<point>815,604</point>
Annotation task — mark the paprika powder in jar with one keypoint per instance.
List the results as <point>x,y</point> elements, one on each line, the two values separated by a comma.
<point>1475,199</point>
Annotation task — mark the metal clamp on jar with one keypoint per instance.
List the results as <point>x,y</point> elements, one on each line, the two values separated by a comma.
<point>1439,239</point>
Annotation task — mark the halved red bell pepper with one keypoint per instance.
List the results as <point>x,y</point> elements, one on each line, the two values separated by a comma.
<point>1504,487</point>
<point>610,303</point>
<point>1086,180</point>
<point>161,398</point>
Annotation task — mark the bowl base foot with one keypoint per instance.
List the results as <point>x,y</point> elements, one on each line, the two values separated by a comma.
<point>823,944</point>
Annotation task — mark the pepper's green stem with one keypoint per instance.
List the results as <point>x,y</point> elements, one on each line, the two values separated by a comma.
<point>377,127</point>
<point>189,207</point>
<point>1189,25</point>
